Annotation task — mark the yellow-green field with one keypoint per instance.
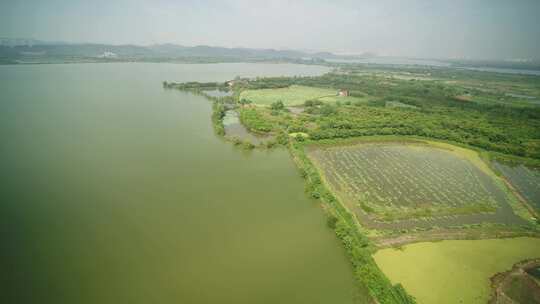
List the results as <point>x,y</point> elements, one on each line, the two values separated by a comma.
<point>291,96</point>
<point>453,271</point>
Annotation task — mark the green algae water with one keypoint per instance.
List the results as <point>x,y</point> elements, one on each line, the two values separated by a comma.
<point>115,190</point>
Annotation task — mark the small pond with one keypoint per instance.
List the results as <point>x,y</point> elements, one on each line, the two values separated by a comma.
<point>235,129</point>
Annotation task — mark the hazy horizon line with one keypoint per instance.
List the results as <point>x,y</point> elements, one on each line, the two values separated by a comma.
<point>307,51</point>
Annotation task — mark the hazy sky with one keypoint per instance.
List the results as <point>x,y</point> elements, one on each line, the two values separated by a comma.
<point>431,28</point>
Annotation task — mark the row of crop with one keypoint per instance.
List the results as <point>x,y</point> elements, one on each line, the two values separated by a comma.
<point>485,157</point>
<point>408,207</point>
<point>357,245</point>
<point>395,179</point>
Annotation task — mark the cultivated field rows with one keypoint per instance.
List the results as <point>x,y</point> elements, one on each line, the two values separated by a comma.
<point>390,177</point>
<point>525,179</point>
<point>396,178</point>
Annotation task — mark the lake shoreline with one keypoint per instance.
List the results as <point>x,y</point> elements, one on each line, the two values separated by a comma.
<point>369,237</point>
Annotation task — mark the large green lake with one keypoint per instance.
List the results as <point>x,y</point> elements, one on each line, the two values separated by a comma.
<point>117,191</point>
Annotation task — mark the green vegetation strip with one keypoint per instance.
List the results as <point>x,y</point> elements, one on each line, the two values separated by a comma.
<point>453,271</point>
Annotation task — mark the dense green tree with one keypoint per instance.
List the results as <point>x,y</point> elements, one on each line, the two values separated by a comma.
<point>277,105</point>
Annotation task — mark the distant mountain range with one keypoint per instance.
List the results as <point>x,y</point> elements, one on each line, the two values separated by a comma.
<point>30,50</point>
<point>17,51</point>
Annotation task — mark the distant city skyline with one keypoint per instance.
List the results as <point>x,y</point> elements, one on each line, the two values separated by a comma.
<point>477,29</point>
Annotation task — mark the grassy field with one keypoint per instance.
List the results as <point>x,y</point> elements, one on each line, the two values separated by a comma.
<point>291,96</point>
<point>397,180</point>
<point>453,271</point>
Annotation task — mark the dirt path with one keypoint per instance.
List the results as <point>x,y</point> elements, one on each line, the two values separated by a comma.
<point>449,234</point>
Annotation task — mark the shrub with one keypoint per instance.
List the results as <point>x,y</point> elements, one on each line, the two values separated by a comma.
<point>282,138</point>
<point>331,221</point>
<point>248,145</point>
<point>277,106</point>
<point>270,144</point>
<point>312,103</point>
<point>327,110</point>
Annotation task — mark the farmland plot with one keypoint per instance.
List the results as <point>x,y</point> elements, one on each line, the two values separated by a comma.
<point>290,96</point>
<point>390,181</point>
<point>525,179</point>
